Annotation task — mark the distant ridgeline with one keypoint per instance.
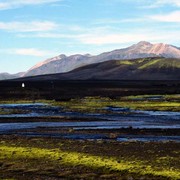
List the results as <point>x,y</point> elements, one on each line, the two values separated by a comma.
<point>161,62</point>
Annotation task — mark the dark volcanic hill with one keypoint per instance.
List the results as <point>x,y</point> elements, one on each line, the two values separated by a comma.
<point>138,69</point>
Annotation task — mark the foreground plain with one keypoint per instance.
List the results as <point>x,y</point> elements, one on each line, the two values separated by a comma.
<point>25,157</point>
<point>46,158</point>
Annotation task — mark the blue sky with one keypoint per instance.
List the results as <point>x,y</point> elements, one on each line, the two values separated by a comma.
<point>34,30</point>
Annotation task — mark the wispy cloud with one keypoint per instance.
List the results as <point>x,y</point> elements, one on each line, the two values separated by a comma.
<point>167,2</point>
<point>47,35</point>
<point>158,3</point>
<point>32,52</point>
<point>130,37</point>
<point>100,38</point>
<point>103,36</point>
<point>117,21</point>
<point>171,17</point>
<point>104,39</point>
<point>28,52</point>
<point>33,26</point>
<point>11,4</point>
<point>67,31</point>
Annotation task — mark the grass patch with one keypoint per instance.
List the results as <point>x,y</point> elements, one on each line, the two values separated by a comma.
<point>12,111</point>
<point>21,159</point>
<point>97,104</point>
<point>150,63</point>
<point>15,101</point>
<point>125,62</point>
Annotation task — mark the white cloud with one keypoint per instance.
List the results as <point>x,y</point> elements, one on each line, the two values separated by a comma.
<point>130,36</point>
<point>171,17</point>
<point>11,4</point>
<point>28,52</point>
<point>100,39</point>
<point>157,3</point>
<point>167,2</point>
<point>31,52</point>
<point>110,35</point>
<point>118,21</point>
<point>33,26</point>
<point>47,35</point>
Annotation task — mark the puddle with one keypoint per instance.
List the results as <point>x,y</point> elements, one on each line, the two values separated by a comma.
<point>149,138</point>
<point>6,127</point>
<point>121,109</point>
<point>67,136</point>
<point>151,98</point>
<point>24,105</point>
<point>160,113</point>
<point>126,138</point>
<point>30,109</point>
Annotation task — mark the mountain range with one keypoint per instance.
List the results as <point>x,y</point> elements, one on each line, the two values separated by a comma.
<point>153,68</point>
<point>4,76</point>
<point>121,63</point>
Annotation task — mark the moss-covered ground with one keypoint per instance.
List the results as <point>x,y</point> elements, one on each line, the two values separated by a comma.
<point>47,158</point>
<point>38,158</point>
<point>98,104</point>
<point>143,102</point>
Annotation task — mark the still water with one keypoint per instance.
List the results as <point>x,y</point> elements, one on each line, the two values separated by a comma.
<point>113,120</point>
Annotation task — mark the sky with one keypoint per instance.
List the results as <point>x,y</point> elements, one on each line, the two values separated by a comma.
<point>34,30</point>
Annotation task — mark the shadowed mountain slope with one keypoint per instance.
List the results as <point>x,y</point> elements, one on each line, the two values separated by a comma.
<point>63,63</point>
<point>138,69</point>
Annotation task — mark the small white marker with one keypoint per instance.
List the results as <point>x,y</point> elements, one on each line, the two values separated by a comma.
<point>23,85</point>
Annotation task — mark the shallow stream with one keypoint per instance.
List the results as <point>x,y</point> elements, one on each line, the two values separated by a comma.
<point>115,119</point>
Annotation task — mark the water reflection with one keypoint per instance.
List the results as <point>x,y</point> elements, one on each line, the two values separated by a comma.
<point>112,120</point>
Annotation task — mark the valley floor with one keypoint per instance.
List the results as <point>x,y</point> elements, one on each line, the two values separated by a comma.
<point>132,137</point>
<point>49,158</point>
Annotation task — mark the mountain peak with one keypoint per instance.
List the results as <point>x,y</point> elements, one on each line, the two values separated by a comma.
<point>143,43</point>
<point>142,49</point>
<point>61,56</point>
<point>88,55</point>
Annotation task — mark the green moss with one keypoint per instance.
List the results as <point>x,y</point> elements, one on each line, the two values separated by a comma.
<point>124,62</point>
<point>160,63</point>
<point>15,101</point>
<point>97,104</point>
<point>149,63</point>
<point>12,111</point>
<point>141,60</point>
<point>25,154</point>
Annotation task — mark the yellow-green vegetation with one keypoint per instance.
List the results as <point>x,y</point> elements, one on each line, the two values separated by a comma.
<point>3,112</point>
<point>12,111</point>
<point>19,101</point>
<point>149,63</point>
<point>141,60</point>
<point>146,63</point>
<point>160,63</point>
<point>97,104</point>
<point>20,157</point>
<point>125,62</point>
<point>158,98</point>
<point>169,63</point>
